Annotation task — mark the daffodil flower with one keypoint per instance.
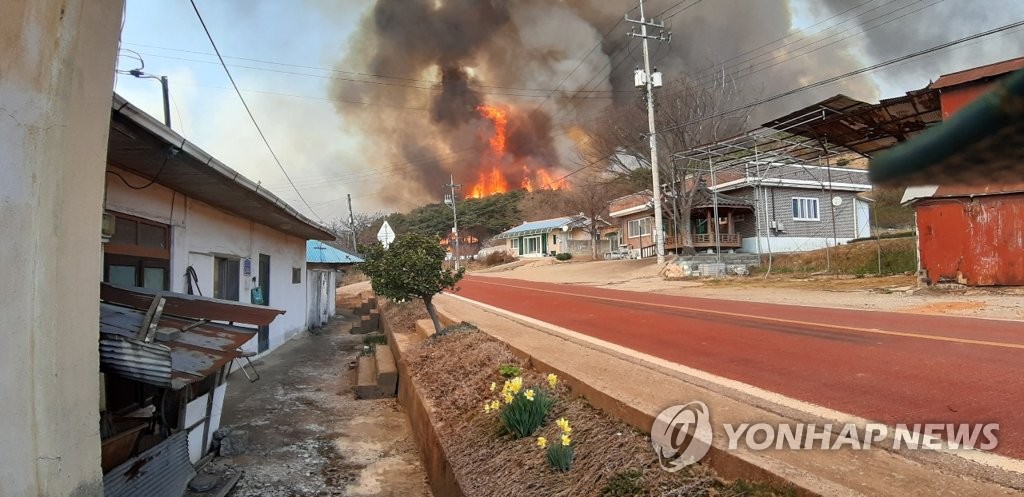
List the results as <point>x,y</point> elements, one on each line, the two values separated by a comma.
<point>552,379</point>
<point>495,405</point>
<point>564,425</point>
<point>542,442</point>
<point>493,386</point>
<point>566,440</point>
<point>529,395</point>
<point>487,407</point>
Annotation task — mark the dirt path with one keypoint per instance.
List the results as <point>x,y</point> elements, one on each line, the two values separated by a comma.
<point>308,436</point>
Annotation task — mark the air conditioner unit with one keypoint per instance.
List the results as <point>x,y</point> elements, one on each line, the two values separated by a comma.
<point>780,226</point>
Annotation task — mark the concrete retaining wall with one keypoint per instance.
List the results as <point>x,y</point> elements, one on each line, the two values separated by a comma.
<point>435,460</point>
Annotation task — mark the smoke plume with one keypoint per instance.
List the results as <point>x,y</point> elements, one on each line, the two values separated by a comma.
<point>444,59</point>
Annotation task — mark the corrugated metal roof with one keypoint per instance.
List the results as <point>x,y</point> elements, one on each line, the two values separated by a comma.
<point>188,357</point>
<point>978,73</point>
<point>320,253</point>
<point>162,471</point>
<point>536,227</point>
<point>191,306</point>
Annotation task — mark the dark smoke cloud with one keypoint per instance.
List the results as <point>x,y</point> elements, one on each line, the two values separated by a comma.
<point>449,56</point>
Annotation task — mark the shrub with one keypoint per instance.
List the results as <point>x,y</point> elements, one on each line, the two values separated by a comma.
<point>496,258</point>
<point>560,456</point>
<point>559,452</point>
<point>526,410</point>
<point>509,370</point>
<point>564,256</point>
<point>624,484</point>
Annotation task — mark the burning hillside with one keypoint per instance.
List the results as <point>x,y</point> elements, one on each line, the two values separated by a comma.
<point>497,166</point>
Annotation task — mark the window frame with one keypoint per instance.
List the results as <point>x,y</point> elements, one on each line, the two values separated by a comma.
<point>801,206</point>
<point>219,287</point>
<point>641,223</point>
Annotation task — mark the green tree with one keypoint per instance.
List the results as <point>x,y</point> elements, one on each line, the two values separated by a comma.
<point>412,267</point>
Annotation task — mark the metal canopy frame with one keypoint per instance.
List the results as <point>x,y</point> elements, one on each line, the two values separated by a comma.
<point>839,126</point>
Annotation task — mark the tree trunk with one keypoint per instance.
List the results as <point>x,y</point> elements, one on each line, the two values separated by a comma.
<point>429,302</point>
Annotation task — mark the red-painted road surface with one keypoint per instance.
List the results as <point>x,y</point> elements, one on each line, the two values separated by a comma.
<point>888,367</point>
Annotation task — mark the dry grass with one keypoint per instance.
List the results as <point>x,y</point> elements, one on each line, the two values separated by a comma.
<point>898,255</point>
<point>455,372</point>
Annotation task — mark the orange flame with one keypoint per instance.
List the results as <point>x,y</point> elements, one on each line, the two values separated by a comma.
<point>491,179</point>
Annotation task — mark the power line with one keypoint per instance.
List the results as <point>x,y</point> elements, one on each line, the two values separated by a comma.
<point>248,111</point>
<point>703,72</point>
<point>432,88</point>
<point>808,87</point>
<point>322,68</point>
<point>862,25</point>
<point>847,75</point>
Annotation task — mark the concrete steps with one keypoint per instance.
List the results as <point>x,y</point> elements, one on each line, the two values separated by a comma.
<point>364,307</point>
<point>377,375</point>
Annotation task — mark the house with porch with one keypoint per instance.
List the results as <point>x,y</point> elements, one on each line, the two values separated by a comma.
<point>776,207</point>
<point>177,219</point>
<point>547,237</point>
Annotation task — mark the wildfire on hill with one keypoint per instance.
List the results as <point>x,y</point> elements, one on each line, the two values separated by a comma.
<point>497,166</point>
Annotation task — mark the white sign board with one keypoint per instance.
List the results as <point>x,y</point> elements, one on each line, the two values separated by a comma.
<point>386,235</point>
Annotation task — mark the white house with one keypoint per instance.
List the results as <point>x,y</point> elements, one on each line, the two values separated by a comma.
<point>323,263</point>
<point>549,236</point>
<point>178,219</point>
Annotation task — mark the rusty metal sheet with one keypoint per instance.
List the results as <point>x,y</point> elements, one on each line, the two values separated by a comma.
<point>977,241</point>
<point>187,357</point>
<point>191,306</point>
<point>162,471</point>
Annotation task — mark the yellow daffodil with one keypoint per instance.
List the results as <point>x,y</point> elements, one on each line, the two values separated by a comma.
<point>508,398</point>
<point>493,386</point>
<point>564,425</point>
<point>495,405</point>
<point>515,384</point>
<point>529,395</point>
<point>542,442</point>
<point>552,380</point>
<point>487,407</point>
<point>566,440</point>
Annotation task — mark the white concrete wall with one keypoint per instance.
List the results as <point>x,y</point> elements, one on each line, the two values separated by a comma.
<point>317,315</point>
<point>57,59</point>
<point>787,244</point>
<point>200,232</point>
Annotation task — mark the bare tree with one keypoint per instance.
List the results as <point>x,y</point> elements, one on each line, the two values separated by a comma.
<point>687,115</point>
<point>591,193</point>
<point>361,226</point>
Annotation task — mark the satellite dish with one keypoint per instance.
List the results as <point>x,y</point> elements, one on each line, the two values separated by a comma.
<point>837,201</point>
<point>565,227</point>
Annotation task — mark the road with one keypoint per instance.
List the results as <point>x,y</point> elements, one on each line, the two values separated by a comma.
<point>888,367</point>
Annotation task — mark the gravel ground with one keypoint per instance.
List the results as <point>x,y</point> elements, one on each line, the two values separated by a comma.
<point>308,436</point>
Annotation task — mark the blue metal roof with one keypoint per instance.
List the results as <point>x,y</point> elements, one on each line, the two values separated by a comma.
<point>536,227</point>
<point>321,253</point>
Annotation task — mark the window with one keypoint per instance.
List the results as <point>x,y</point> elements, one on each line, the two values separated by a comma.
<point>515,245</point>
<point>225,278</point>
<point>532,245</point>
<point>137,254</point>
<point>639,227</point>
<point>805,209</point>
<point>296,275</point>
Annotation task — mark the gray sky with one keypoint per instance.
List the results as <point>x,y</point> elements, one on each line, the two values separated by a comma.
<point>295,98</point>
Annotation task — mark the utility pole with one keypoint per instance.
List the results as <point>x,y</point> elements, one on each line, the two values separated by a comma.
<point>452,200</point>
<point>167,92</point>
<point>650,81</point>
<point>352,224</point>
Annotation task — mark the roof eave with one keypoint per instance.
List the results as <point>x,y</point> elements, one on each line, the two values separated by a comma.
<point>313,231</point>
